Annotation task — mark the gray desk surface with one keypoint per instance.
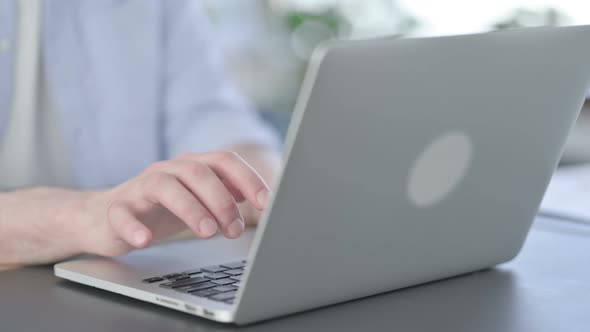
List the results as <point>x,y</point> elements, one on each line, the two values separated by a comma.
<point>546,288</point>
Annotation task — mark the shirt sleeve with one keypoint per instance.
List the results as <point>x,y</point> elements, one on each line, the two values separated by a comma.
<point>202,110</point>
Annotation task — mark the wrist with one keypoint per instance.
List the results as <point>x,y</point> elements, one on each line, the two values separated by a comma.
<point>70,221</point>
<point>88,213</point>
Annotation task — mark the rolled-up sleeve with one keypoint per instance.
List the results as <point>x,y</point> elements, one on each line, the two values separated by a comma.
<point>202,110</point>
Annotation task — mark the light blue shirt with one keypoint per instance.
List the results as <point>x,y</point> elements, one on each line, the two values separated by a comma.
<point>133,82</point>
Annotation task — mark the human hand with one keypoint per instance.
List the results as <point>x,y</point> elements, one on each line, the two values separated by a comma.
<point>201,191</point>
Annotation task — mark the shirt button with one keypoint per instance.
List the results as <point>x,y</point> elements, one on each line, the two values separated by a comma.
<point>4,45</point>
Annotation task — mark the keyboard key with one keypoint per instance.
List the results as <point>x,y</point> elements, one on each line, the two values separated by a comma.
<point>152,280</point>
<point>214,269</point>
<point>236,278</point>
<point>172,275</point>
<point>186,282</point>
<point>223,289</point>
<point>215,276</point>
<point>194,288</point>
<point>224,296</point>
<point>236,272</point>
<point>192,272</point>
<point>223,282</point>
<point>230,301</point>
<point>205,293</point>
<point>186,289</point>
<point>236,265</point>
<point>180,277</point>
<point>237,284</point>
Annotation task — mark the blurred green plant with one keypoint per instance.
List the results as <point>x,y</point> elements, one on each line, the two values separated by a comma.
<point>522,18</point>
<point>330,19</point>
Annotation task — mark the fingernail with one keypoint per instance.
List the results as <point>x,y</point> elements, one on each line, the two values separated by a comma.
<point>262,197</point>
<point>208,227</point>
<point>140,238</point>
<point>235,228</point>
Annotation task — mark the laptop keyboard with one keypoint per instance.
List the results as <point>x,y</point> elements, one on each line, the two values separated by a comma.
<point>218,282</point>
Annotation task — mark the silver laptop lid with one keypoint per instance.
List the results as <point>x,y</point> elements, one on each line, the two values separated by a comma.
<point>413,160</point>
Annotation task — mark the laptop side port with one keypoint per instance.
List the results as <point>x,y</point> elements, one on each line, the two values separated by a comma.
<point>168,302</point>
<point>208,313</point>
<point>190,308</point>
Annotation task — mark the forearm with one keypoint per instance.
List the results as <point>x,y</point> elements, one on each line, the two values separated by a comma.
<point>40,225</point>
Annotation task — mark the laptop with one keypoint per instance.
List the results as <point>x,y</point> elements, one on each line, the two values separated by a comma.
<point>406,161</point>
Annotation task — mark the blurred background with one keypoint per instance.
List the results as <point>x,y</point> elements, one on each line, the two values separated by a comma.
<point>267,43</point>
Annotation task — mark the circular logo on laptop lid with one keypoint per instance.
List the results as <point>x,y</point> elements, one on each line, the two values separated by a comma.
<point>439,169</point>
